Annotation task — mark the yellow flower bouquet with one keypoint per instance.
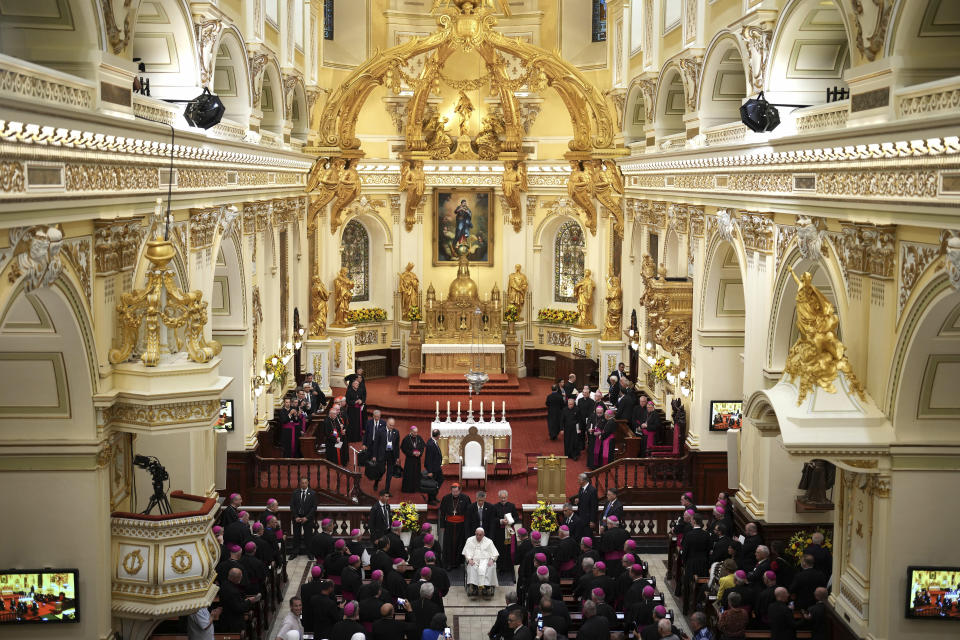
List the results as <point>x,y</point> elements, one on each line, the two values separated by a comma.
<point>360,316</point>
<point>660,369</point>
<point>414,313</point>
<point>557,316</point>
<point>543,519</point>
<point>511,313</point>
<point>407,514</point>
<point>801,540</point>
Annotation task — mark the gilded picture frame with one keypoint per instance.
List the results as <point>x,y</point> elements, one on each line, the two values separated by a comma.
<point>463,216</point>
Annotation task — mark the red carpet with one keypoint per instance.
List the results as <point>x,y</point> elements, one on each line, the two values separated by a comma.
<point>525,412</point>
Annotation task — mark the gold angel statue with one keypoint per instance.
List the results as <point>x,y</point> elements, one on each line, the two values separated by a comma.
<point>439,142</point>
<point>514,186</point>
<point>464,110</point>
<point>583,290</point>
<point>517,289</point>
<point>817,356</point>
<point>580,190</point>
<point>614,319</point>
<point>616,175</point>
<point>409,288</point>
<point>343,293</point>
<point>488,139</point>
<point>413,182</point>
<point>324,178</point>
<point>318,307</point>
<point>348,190</point>
<point>603,190</point>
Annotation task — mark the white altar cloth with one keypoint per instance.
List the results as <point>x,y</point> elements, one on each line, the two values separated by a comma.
<point>453,433</point>
<point>432,347</point>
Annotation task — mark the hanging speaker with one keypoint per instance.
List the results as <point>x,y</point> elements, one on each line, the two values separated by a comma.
<point>204,111</point>
<point>759,115</point>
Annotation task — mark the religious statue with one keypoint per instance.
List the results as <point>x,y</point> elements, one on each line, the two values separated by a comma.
<point>603,190</point>
<point>318,307</point>
<point>817,357</point>
<point>583,290</point>
<point>409,288</point>
<point>464,109</point>
<point>580,190</point>
<point>488,139</point>
<point>413,182</point>
<point>614,298</point>
<point>323,178</point>
<point>514,186</point>
<point>347,191</point>
<point>616,175</point>
<point>343,293</point>
<point>439,142</point>
<point>817,478</point>
<point>517,289</point>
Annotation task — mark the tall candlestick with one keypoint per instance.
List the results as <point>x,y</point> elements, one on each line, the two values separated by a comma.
<point>438,407</point>
<point>471,405</point>
<point>481,411</point>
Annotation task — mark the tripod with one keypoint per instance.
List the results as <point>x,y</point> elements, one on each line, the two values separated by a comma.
<point>159,497</point>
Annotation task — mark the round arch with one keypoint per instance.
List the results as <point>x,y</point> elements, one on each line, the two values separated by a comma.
<point>723,83</point>
<point>809,52</point>
<point>299,113</point>
<point>69,42</point>
<point>919,35</point>
<point>271,99</point>
<point>165,41</point>
<point>670,102</point>
<point>722,304</point>
<point>228,302</point>
<point>674,258</point>
<point>231,76</point>
<point>378,235</point>
<point>545,237</point>
<point>635,115</point>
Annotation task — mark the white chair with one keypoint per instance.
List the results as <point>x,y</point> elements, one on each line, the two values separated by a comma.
<point>472,466</point>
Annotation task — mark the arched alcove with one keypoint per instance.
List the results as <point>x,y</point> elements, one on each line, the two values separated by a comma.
<point>671,103</point>
<point>921,32</point>
<point>568,260</point>
<point>635,116</point>
<point>723,306</point>
<point>723,84</point>
<point>231,77</point>
<point>674,255</point>
<point>379,291</point>
<point>271,100</point>
<point>228,298</point>
<point>164,40</point>
<point>65,35</point>
<point>299,114</point>
<point>809,53</point>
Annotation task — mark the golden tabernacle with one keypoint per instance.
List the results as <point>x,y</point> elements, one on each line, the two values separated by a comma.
<point>463,331</point>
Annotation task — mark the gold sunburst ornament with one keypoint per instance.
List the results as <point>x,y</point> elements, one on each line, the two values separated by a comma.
<point>817,357</point>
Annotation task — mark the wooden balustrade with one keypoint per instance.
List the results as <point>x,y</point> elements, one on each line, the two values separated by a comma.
<point>643,473</point>
<point>283,475</point>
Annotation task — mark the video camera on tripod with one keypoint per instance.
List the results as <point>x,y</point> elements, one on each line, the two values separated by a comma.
<point>159,476</point>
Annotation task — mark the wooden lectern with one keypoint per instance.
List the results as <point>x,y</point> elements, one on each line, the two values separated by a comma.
<point>552,479</point>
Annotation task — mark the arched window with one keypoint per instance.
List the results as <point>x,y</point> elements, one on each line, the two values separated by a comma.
<point>567,261</point>
<point>599,20</point>
<point>355,256</point>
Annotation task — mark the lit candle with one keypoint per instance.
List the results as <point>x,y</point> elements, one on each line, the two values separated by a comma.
<point>458,409</point>
<point>503,408</point>
<point>438,406</point>
<point>470,407</point>
<point>448,407</point>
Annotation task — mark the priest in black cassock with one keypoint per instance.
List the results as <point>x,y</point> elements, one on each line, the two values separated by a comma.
<point>500,529</point>
<point>412,447</point>
<point>453,515</point>
<point>336,437</point>
<point>554,406</point>
<point>355,402</point>
<point>570,423</point>
<point>585,407</point>
<point>358,375</point>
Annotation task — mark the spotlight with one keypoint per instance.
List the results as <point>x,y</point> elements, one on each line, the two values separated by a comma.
<point>759,115</point>
<point>205,110</point>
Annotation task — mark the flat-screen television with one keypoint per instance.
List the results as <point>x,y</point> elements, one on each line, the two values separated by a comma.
<point>933,593</point>
<point>38,596</point>
<point>725,415</point>
<point>225,419</point>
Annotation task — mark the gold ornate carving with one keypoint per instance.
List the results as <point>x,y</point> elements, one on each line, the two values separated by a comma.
<point>756,39</point>
<point>181,561</point>
<point>608,181</point>
<point>336,354</point>
<point>150,307</point>
<point>768,182</point>
<point>614,317</point>
<point>817,357</point>
<point>258,64</point>
<point>514,186</point>
<point>517,289</point>
<point>203,225</point>
<point>860,464</point>
<point>133,562</point>
<point>11,177</point>
<point>104,456</point>
<point>348,189</point>
<point>98,177</point>
<point>413,182</point>
<point>77,251</point>
<point>690,68</point>
<point>488,139</point>
<point>437,138</point>
<point>583,291</point>
<point>915,258</point>
<point>318,308</point>
<point>669,307</point>
<point>257,309</point>
<point>870,46</point>
<point>208,33</point>
<point>115,245</point>
<point>408,285</point>
<point>36,255</point>
<point>164,414</point>
<point>322,184</point>
<point>342,294</point>
<point>758,231</point>
<point>118,42</point>
<point>580,189</point>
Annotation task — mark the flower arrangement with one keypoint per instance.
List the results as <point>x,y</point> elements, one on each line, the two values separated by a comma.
<point>801,540</point>
<point>660,369</point>
<point>359,316</point>
<point>414,314</point>
<point>407,514</point>
<point>557,316</point>
<point>511,313</point>
<point>274,365</point>
<point>543,519</point>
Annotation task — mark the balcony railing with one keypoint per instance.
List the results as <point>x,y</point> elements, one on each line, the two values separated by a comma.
<point>823,117</point>
<point>939,97</point>
<point>730,133</point>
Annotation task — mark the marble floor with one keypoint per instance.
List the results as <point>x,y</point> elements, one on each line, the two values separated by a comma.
<point>471,618</point>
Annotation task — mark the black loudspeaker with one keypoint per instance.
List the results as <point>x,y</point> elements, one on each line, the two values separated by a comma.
<point>759,115</point>
<point>204,111</point>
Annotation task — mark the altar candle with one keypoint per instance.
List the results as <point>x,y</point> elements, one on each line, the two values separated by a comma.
<point>438,407</point>
<point>448,407</point>
<point>471,406</point>
<point>458,409</point>
<point>503,409</point>
<point>481,409</point>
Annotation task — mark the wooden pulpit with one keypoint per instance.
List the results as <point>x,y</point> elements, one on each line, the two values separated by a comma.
<point>552,478</point>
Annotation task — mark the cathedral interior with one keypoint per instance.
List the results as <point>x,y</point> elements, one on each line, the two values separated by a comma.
<point>754,205</point>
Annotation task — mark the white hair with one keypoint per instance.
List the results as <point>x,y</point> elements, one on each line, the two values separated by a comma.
<point>426,590</point>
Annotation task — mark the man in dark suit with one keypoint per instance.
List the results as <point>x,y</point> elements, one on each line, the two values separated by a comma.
<point>317,398</point>
<point>816,616</point>
<point>391,452</point>
<point>570,387</point>
<point>374,440</point>
<point>481,514</point>
<point>721,548</point>
<point>586,500</point>
<point>780,617</point>
<point>322,542</point>
<point>575,523</point>
<point>806,583</point>
<point>324,612</point>
<point>517,630</point>
<point>433,464</point>
<point>613,507</point>
<point>594,627</point>
<point>822,559</point>
<point>500,629</point>
<point>234,604</point>
<point>555,405</point>
<point>747,558</point>
<point>762,555</point>
<point>303,512</point>
<point>380,516</point>
<point>627,400</point>
<point>696,551</point>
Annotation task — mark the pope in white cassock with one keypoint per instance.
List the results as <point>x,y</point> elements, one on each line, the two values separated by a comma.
<point>481,557</point>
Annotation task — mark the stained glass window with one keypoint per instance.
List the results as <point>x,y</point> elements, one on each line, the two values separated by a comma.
<point>355,256</point>
<point>328,19</point>
<point>599,20</point>
<point>567,261</point>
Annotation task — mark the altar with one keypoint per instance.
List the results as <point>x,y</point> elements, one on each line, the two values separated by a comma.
<point>462,358</point>
<point>496,435</point>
